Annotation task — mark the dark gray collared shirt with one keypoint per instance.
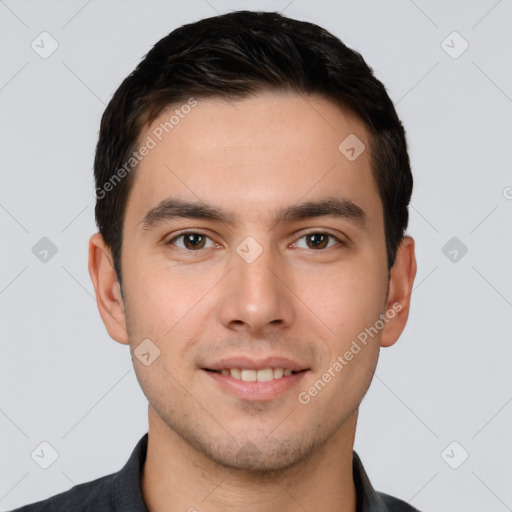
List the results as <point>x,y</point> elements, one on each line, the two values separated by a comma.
<point>121,491</point>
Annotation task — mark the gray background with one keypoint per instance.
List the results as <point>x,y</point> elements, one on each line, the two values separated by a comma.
<point>64,381</point>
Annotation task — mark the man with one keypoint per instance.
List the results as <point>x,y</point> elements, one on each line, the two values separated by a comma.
<point>252,190</point>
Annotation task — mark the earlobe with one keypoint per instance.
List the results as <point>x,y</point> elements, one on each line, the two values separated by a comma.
<point>108,292</point>
<point>402,276</point>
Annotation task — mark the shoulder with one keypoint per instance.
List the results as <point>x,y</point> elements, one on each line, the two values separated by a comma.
<point>395,505</point>
<point>119,491</point>
<point>93,495</point>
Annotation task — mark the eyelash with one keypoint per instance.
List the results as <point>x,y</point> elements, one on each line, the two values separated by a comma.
<point>185,233</point>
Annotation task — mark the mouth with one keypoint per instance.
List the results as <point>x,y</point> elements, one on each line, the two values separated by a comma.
<point>261,380</point>
<point>250,375</point>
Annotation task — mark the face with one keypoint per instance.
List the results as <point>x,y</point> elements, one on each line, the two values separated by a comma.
<point>280,265</point>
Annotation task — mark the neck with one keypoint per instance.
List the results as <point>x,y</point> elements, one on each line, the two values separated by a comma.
<point>176,477</point>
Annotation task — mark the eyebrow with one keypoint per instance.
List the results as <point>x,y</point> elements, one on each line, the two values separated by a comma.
<point>173,208</point>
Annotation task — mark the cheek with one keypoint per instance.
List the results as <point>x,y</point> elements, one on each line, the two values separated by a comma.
<point>163,299</point>
<point>349,298</point>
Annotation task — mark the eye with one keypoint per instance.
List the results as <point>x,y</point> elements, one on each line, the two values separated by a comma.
<point>192,240</point>
<point>319,240</point>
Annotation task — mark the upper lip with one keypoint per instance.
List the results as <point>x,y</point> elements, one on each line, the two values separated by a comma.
<point>255,364</point>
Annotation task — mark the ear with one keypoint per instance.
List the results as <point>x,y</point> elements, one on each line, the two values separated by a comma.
<point>402,276</point>
<point>108,292</point>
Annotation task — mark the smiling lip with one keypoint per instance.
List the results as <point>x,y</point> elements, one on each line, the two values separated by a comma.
<point>256,391</point>
<point>255,364</point>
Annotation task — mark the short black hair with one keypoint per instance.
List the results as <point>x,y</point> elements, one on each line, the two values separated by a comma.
<point>232,56</point>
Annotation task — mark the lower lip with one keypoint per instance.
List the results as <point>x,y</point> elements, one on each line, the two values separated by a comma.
<point>257,390</point>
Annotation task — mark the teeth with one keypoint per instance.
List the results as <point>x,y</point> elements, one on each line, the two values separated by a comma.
<point>248,375</point>
<point>278,373</point>
<point>264,375</point>
<point>236,373</point>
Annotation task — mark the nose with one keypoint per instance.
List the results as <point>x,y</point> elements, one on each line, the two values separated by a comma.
<point>257,297</point>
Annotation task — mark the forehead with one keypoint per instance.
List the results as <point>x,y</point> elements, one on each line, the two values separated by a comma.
<point>254,155</point>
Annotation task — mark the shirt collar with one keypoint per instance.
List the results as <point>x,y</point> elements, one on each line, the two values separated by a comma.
<point>126,485</point>
<point>368,500</point>
<point>127,491</point>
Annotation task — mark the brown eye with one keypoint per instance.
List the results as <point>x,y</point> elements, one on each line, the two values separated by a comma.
<point>319,240</point>
<point>192,241</point>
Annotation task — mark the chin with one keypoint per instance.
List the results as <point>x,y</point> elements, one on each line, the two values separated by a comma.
<point>259,460</point>
<point>257,454</point>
